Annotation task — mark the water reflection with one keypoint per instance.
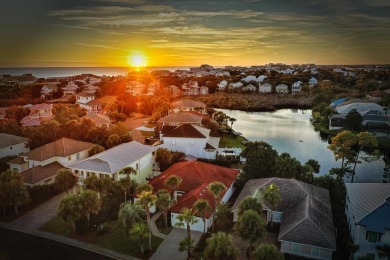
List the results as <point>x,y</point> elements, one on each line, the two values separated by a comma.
<point>290,131</point>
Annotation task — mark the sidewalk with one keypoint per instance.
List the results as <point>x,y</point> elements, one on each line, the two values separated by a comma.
<point>33,220</point>
<point>169,248</point>
<point>154,228</point>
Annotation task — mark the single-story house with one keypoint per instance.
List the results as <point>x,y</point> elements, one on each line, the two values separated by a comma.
<point>196,177</point>
<point>304,214</point>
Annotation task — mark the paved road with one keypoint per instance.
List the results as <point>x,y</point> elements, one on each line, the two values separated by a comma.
<point>168,249</point>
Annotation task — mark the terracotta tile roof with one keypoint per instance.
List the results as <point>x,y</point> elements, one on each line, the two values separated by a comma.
<point>181,118</point>
<point>62,148</point>
<point>196,176</point>
<point>28,121</point>
<point>40,173</point>
<point>187,103</point>
<point>8,140</point>
<point>42,106</point>
<point>186,130</point>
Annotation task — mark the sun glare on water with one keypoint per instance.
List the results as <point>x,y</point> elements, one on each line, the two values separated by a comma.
<point>137,60</point>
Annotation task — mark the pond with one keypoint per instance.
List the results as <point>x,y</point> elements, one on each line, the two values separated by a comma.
<point>290,130</point>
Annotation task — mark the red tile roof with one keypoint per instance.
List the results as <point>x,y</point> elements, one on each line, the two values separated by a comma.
<point>196,176</point>
<point>181,118</point>
<point>187,103</point>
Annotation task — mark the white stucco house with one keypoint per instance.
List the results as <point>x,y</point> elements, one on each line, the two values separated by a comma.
<point>109,163</point>
<point>70,89</point>
<point>13,145</point>
<point>191,140</point>
<point>265,88</point>
<point>304,214</point>
<point>222,85</point>
<point>296,87</point>
<point>368,214</point>
<point>196,177</point>
<point>281,88</point>
<point>313,82</point>
<point>40,165</point>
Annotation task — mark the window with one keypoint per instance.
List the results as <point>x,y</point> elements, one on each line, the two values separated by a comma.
<point>78,156</point>
<point>136,166</point>
<point>315,251</point>
<point>296,248</point>
<point>11,148</point>
<point>69,158</point>
<point>305,249</point>
<point>372,236</point>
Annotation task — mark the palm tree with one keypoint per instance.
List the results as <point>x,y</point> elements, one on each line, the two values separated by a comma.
<point>147,199</point>
<point>163,203</point>
<point>272,196</point>
<point>267,251</point>
<point>232,120</point>
<point>217,189</point>
<point>140,231</point>
<point>65,180</point>
<point>251,226</point>
<point>126,184</point>
<point>250,203</point>
<point>187,218</point>
<point>172,183</point>
<point>220,247</point>
<point>129,214</point>
<point>69,209</point>
<point>202,207</point>
<point>90,203</point>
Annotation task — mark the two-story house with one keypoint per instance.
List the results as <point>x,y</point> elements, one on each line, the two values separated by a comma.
<point>110,163</point>
<point>70,89</point>
<point>40,165</point>
<point>190,139</point>
<point>13,145</point>
<point>39,113</point>
<point>368,214</point>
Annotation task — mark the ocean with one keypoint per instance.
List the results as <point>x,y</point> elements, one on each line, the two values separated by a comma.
<point>48,72</point>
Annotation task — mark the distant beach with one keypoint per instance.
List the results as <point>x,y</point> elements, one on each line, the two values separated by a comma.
<point>48,72</point>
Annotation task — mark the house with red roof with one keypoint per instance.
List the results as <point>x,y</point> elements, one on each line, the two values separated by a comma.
<point>39,113</point>
<point>196,177</point>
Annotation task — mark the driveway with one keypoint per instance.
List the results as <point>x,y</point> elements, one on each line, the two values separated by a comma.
<point>169,248</point>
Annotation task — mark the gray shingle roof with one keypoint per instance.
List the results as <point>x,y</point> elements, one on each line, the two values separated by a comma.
<point>114,159</point>
<point>307,214</point>
<point>366,197</point>
<point>361,107</point>
<point>8,140</point>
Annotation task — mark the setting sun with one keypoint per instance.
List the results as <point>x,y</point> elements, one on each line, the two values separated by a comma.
<point>137,60</point>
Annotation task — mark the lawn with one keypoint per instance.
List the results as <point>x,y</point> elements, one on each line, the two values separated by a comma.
<point>231,141</point>
<point>113,237</point>
<point>120,242</point>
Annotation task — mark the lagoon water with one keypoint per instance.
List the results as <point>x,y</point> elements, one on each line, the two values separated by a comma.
<point>290,131</point>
